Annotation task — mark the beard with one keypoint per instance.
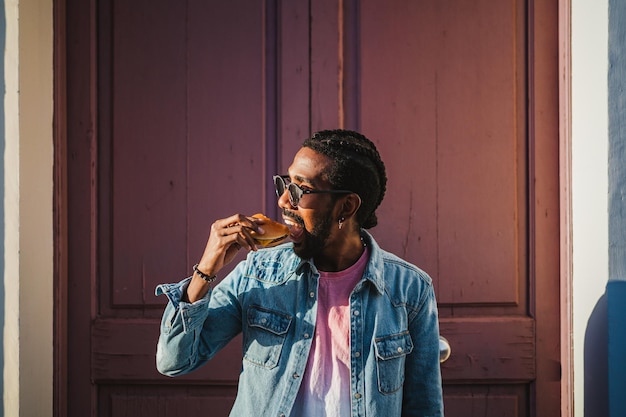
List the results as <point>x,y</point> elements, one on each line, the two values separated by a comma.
<point>314,241</point>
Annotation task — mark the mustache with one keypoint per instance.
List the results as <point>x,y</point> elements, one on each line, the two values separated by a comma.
<point>293,216</point>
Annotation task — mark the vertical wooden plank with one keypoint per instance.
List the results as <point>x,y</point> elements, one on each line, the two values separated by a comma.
<point>81,111</point>
<point>60,204</point>
<point>81,134</point>
<point>226,115</point>
<point>398,97</point>
<point>350,64</point>
<point>271,63</point>
<point>148,147</point>
<point>325,65</point>
<point>544,203</point>
<point>294,81</point>
<point>479,135</point>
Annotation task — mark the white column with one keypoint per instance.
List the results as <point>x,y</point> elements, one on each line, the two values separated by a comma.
<point>36,186</point>
<point>589,202</point>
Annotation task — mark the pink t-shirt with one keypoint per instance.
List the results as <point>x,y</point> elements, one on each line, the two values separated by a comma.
<point>325,389</point>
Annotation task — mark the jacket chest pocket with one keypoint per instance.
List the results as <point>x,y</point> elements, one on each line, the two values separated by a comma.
<point>391,354</point>
<point>265,336</point>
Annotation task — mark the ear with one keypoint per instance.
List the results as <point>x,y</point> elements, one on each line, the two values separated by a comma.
<point>351,204</point>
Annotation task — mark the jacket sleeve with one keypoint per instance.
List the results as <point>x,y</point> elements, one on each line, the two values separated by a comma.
<point>422,389</point>
<point>192,333</point>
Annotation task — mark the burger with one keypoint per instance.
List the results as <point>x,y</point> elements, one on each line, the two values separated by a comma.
<point>275,232</point>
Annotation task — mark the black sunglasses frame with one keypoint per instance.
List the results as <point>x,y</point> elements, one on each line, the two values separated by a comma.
<point>295,192</point>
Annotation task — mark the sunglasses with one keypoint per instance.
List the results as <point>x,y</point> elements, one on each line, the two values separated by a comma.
<point>295,192</point>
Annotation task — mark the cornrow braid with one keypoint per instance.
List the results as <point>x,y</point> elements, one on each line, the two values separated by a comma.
<point>357,167</point>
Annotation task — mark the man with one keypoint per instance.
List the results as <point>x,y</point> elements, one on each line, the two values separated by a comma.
<point>332,324</point>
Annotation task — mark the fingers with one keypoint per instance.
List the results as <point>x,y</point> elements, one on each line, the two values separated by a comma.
<point>239,220</point>
<point>227,237</point>
<point>236,230</point>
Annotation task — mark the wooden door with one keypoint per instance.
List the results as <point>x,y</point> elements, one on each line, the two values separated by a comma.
<point>462,96</point>
<point>178,113</point>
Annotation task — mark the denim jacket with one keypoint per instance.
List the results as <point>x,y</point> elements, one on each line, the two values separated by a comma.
<point>271,297</point>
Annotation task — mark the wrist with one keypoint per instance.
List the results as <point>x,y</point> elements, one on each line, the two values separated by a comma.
<point>208,277</point>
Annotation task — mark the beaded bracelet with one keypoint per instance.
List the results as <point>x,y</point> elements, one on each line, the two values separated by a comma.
<point>207,278</point>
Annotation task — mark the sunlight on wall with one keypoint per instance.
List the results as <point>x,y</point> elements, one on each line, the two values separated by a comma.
<point>589,201</point>
<point>10,338</point>
<point>36,230</point>
<point>27,277</point>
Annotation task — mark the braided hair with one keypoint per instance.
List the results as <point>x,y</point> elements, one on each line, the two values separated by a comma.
<point>356,167</point>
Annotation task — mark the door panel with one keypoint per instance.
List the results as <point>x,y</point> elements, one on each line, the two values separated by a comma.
<point>487,400</point>
<point>154,401</point>
<point>187,108</point>
<point>177,123</point>
<point>489,348</point>
<point>456,127</point>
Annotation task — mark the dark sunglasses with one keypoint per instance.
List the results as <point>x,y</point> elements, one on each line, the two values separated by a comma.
<point>295,192</point>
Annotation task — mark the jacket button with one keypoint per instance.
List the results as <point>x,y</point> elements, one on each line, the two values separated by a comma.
<point>357,395</point>
<point>356,312</point>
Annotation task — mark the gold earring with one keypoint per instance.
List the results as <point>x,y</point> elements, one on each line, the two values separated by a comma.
<point>341,222</point>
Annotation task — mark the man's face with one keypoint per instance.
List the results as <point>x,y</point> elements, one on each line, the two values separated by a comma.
<point>312,221</point>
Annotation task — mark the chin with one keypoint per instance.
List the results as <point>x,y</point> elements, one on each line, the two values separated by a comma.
<point>309,248</point>
<point>313,242</point>
<point>300,250</point>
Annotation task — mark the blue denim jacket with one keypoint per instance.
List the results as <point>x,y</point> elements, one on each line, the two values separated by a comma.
<point>271,297</point>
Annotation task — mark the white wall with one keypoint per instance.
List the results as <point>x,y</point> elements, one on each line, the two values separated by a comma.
<point>589,197</point>
<point>36,232</point>
<point>28,274</point>
<point>11,335</point>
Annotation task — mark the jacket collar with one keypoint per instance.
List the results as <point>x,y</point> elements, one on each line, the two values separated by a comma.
<point>374,271</point>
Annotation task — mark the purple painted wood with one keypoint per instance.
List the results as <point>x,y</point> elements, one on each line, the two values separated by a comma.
<point>148,165</point>
<point>456,131</point>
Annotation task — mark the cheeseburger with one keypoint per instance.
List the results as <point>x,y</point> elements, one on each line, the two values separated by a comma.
<point>274,234</point>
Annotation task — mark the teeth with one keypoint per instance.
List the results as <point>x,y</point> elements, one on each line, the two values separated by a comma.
<point>291,224</point>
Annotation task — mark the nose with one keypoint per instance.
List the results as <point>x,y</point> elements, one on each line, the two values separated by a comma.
<point>283,201</point>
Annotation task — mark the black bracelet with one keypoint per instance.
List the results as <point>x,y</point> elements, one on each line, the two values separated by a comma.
<point>207,278</point>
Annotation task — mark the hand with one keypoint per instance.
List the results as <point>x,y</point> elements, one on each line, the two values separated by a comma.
<point>227,237</point>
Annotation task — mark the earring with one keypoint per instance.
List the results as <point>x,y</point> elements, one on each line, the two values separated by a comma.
<point>341,222</point>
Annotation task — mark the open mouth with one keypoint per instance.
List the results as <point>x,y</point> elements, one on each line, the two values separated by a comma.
<point>295,229</point>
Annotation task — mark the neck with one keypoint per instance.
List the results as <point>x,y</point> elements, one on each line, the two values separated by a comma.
<point>342,255</point>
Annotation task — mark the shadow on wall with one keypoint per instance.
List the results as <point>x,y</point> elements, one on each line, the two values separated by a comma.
<point>596,361</point>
